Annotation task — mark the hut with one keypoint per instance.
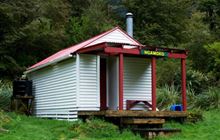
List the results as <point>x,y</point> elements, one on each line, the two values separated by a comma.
<point>111,71</point>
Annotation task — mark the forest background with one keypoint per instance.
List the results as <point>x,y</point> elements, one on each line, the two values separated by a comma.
<point>32,30</point>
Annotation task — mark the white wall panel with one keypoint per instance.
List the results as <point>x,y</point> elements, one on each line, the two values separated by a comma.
<point>116,36</point>
<point>88,82</point>
<point>54,88</point>
<point>137,80</point>
<point>112,84</point>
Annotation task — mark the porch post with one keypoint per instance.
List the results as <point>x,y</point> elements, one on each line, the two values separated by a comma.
<point>153,84</point>
<point>183,83</point>
<point>121,77</point>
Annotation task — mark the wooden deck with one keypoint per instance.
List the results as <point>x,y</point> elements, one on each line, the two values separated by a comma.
<point>147,123</point>
<point>132,113</point>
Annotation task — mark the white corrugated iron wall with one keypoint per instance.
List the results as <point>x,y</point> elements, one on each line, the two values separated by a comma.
<point>88,82</point>
<point>112,83</point>
<point>54,88</point>
<point>137,79</point>
<point>116,36</point>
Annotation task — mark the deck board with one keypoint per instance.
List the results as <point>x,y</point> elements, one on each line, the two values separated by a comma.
<point>134,121</point>
<point>132,113</point>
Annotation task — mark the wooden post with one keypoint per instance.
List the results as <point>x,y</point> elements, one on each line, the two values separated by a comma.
<point>121,77</point>
<point>183,83</point>
<point>154,86</point>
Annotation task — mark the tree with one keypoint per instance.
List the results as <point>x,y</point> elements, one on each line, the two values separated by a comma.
<point>211,8</point>
<point>32,30</point>
<point>214,59</point>
<point>160,22</point>
<point>94,19</point>
<point>198,35</point>
<point>8,66</point>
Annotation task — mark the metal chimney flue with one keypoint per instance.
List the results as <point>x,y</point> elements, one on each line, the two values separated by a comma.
<point>129,24</point>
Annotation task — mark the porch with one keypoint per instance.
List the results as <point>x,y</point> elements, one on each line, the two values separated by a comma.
<point>121,51</point>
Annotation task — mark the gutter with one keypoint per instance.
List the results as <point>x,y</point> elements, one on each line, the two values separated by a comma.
<point>49,63</point>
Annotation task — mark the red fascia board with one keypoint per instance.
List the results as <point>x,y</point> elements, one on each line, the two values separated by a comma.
<point>93,48</point>
<point>115,50</point>
<point>137,52</point>
<point>180,50</point>
<point>177,55</point>
<point>122,50</point>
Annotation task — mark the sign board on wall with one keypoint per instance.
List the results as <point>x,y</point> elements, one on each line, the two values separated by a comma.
<point>155,53</point>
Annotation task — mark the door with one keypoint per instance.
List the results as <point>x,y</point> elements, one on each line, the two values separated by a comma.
<point>112,83</point>
<point>103,84</point>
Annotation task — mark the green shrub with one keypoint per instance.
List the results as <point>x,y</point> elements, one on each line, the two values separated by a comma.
<point>214,59</point>
<point>167,96</point>
<point>5,95</point>
<point>100,129</point>
<point>168,71</point>
<point>96,128</point>
<point>4,119</point>
<point>197,80</point>
<point>195,115</point>
<point>209,99</point>
<point>191,98</point>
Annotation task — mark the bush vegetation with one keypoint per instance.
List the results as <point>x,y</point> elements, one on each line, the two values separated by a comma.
<point>25,128</point>
<point>206,100</point>
<point>4,119</point>
<point>5,95</point>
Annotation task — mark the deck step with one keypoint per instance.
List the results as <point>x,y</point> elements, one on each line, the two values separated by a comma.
<point>153,132</point>
<point>136,121</point>
<point>157,129</point>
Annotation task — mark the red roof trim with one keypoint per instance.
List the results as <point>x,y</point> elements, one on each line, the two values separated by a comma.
<point>98,36</point>
<point>78,46</point>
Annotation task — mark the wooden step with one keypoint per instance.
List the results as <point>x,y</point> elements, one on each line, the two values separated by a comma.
<point>157,129</point>
<point>153,132</point>
<point>136,121</point>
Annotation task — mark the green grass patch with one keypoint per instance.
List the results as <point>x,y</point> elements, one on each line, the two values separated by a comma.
<point>26,128</point>
<point>208,129</point>
<point>32,128</point>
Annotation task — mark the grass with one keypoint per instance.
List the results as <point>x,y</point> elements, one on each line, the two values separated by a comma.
<point>31,128</point>
<point>26,128</point>
<point>208,129</point>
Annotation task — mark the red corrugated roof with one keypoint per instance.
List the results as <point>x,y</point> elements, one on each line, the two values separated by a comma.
<point>76,47</point>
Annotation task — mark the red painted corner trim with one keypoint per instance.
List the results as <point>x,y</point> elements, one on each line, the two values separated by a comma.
<point>183,83</point>
<point>154,86</point>
<point>121,78</point>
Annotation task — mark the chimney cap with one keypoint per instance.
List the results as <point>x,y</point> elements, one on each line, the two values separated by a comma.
<point>129,15</point>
